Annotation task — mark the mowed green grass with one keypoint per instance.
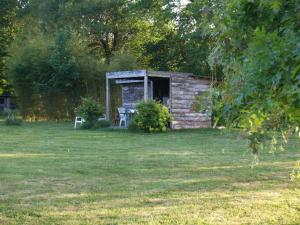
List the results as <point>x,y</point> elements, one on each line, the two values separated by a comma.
<point>53,174</point>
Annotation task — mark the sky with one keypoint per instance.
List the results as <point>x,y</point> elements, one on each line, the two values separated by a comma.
<point>184,2</point>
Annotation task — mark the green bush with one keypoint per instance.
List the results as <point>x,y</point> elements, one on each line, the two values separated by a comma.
<point>152,116</point>
<point>90,110</point>
<point>132,126</point>
<point>13,122</point>
<point>103,124</point>
<point>49,73</point>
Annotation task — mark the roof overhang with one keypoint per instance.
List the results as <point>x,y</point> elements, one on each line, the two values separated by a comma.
<point>144,73</point>
<point>126,74</point>
<point>128,81</point>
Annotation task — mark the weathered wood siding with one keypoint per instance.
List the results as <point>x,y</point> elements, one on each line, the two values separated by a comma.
<point>132,94</point>
<point>184,90</point>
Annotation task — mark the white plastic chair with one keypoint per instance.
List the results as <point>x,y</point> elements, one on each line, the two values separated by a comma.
<point>80,120</point>
<point>123,116</point>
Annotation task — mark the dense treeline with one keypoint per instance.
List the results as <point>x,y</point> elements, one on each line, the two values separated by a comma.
<point>61,49</point>
<point>7,30</point>
<point>58,50</point>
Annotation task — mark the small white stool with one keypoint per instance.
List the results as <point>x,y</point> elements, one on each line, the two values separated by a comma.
<point>80,120</point>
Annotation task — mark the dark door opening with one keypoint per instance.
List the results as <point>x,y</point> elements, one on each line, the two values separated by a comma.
<point>161,90</point>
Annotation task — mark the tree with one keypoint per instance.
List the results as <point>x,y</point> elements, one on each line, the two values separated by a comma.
<point>7,15</point>
<point>107,24</point>
<point>186,44</point>
<point>193,24</point>
<point>257,44</point>
<point>51,73</point>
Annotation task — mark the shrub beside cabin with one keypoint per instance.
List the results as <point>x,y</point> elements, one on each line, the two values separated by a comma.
<point>178,91</point>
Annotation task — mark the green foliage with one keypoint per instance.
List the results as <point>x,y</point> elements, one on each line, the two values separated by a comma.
<point>163,55</point>
<point>7,33</point>
<point>295,175</point>
<point>133,127</point>
<point>265,80</point>
<point>257,44</point>
<point>194,44</point>
<point>122,62</point>
<point>64,48</point>
<point>152,116</point>
<point>49,64</point>
<point>211,104</point>
<point>64,69</point>
<point>203,103</point>
<point>50,73</point>
<point>90,110</point>
<point>109,24</point>
<point>103,124</point>
<point>253,124</point>
<point>13,122</point>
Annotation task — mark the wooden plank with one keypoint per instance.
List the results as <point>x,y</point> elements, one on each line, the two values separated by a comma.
<point>192,78</point>
<point>180,82</point>
<point>191,119</point>
<point>170,94</point>
<point>168,74</point>
<point>191,89</point>
<point>186,107</point>
<point>146,87</point>
<point>125,81</point>
<point>107,99</point>
<point>192,114</point>
<point>182,125</point>
<point>183,106</point>
<point>185,97</point>
<point>178,127</point>
<point>125,74</point>
<point>177,105</point>
<point>192,86</point>
<point>158,74</point>
<point>180,93</point>
<point>183,102</point>
<point>150,90</point>
<point>180,110</point>
<point>178,100</point>
<point>190,122</point>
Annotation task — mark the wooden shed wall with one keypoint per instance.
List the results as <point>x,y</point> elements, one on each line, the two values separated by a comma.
<point>132,94</point>
<point>184,90</point>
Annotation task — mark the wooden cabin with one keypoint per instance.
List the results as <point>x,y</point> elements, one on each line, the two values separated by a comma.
<point>177,91</point>
<point>5,101</point>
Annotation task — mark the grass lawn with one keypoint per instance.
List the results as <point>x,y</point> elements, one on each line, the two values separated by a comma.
<point>53,174</point>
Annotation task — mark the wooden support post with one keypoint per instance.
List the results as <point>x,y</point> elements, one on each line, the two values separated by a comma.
<point>107,99</point>
<point>151,90</point>
<point>146,87</point>
<point>170,101</point>
<point>7,103</point>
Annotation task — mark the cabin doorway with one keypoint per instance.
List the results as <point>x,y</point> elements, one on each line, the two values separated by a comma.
<point>161,90</point>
